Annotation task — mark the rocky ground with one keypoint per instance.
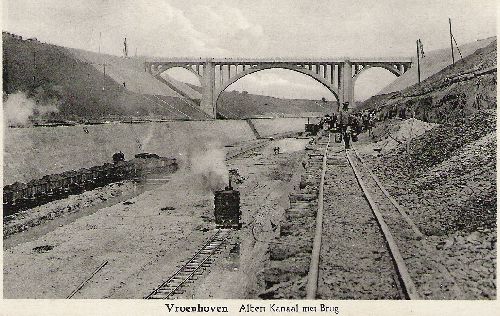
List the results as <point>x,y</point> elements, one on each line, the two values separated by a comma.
<point>446,178</point>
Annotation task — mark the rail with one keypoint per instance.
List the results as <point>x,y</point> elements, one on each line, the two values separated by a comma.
<point>190,268</point>
<point>409,287</point>
<point>400,209</point>
<point>312,277</point>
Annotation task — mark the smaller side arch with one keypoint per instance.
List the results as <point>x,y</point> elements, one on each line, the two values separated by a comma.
<point>390,68</point>
<point>162,70</point>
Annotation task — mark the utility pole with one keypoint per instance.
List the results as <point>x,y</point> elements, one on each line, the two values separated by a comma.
<point>451,42</point>
<point>418,60</point>
<point>34,67</point>
<point>100,42</point>
<point>104,77</point>
<point>125,49</point>
<point>5,75</point>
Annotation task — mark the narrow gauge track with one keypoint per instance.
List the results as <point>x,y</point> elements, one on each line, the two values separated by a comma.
<point>355,255</point>
<point>205,255</point>
<point>192,268</point>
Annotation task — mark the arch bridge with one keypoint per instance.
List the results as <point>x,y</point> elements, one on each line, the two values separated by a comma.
<point>216,74</point>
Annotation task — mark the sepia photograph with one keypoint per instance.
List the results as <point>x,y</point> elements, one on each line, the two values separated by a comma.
<point>257,156</point>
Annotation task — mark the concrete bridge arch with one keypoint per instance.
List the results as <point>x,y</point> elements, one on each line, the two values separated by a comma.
<point>337,74</point>
<point>253,70</point>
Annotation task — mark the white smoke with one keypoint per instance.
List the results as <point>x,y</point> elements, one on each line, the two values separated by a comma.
<point>207,164</point>
<point>18,109</point>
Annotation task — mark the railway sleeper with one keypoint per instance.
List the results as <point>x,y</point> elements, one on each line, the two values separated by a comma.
<point>286,270</point>
<point>166,290</point>
<point>295,213</point>
<point>289,246</point>
<point>303,197</point>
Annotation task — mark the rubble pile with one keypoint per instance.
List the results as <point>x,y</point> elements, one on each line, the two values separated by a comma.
<point>447,175</point>
<point>446,178</point>
<point>398,132</point>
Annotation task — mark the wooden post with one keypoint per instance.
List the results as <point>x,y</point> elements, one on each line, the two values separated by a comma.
<point>104,77</point>
<point>418,61</point>
<point>34,68</point>
<point>451,43</point>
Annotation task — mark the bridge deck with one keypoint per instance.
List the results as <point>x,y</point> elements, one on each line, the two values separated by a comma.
<point>298,60</point>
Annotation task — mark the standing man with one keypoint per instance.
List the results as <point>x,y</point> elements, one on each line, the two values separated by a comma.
<point>344,120</point>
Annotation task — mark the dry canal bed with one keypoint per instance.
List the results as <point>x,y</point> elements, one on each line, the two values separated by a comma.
<point>135,245</point>
<point>138,237</point>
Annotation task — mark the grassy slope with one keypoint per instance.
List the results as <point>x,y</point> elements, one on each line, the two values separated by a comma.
<point>77,85</point>
<point>236,104</point>
<point>433,62</point>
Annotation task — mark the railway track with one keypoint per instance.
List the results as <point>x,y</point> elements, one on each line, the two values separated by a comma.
<point>192,268</point>
<point>202,259</point>
<point>355,254</point>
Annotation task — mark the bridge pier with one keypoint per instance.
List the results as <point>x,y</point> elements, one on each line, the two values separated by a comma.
<point>347,88</point>
<point>208,90</point>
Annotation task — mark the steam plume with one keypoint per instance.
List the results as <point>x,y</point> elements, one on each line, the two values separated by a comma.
<point>208,166</point>
<point>18,109</point>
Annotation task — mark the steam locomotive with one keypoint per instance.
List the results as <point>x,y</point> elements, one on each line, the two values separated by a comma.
<point>19,196</point>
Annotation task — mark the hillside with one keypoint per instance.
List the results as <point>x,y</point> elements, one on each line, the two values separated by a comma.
<point>455,92</point>
<point>72,84</point>
<point>50,74</point>
<point>255,105</point>
<point>433,62</point>
<point>441,164</point>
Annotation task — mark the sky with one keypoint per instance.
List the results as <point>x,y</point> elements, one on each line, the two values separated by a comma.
<point>257,28</point>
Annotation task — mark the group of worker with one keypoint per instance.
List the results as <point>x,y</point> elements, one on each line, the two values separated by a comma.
<point>347,125</point>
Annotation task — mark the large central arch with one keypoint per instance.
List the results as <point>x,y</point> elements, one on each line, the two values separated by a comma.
<point>253,70</point>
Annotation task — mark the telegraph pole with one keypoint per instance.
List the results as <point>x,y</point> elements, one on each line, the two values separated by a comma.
<point>451,42</point>
<point>100,42</point>
<point>125,48</point>
<point>34,67</point>
<point>418,61</point>
<point>104,76</point>
<point>5,74</point>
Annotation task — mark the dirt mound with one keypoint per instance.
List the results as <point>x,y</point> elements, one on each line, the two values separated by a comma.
<point>399,133</point>
<point>447,175</point>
